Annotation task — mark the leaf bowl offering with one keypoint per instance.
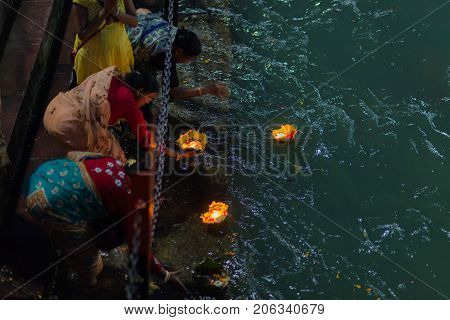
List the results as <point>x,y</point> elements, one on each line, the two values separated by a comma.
<point>286,133</point>
<point>217,213</point>
<point>192,141</point>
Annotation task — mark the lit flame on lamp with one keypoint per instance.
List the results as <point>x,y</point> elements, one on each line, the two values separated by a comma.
<point>217,213</point>
<point>192,141</point>
<point>287,132</point>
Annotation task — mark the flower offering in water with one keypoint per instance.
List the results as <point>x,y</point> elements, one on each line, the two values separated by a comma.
<point>217,213</point>
<point>192,141</point>
<point>286,133</point>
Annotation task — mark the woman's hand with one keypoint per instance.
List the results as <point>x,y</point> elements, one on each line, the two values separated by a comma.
<point>178,156</point>
<point>172,277</point>
<point>171,153</point>
<point>220,90</point>
<point>186,155</point>
<point>110,6</point>
<point>85,28</point>
<point>167,276</point>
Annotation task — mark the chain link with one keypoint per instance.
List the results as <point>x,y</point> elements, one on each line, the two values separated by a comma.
<point>133,276</point>
<point>163,119</point>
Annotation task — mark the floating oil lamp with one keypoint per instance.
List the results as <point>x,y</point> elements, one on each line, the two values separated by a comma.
<point>217,213</point>
<point>192,141</point>
<point>286,133</point>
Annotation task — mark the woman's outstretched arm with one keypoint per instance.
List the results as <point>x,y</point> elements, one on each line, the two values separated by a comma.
<point>219,90</point>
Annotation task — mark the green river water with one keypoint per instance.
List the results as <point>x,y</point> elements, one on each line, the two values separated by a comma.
<point>371,219</point>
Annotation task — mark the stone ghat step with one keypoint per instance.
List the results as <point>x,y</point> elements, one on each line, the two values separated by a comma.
<point>19,64</point>
<point>28,66</point>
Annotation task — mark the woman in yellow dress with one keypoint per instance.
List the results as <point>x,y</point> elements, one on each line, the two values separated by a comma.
<point>101,39</point>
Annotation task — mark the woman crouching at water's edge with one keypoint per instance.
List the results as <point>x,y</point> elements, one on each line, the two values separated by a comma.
<point>68,197</point>
<point>81,116</point>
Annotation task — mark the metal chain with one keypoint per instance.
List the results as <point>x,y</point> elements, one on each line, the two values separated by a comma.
<point>133,275</point>
<point>163,122</point>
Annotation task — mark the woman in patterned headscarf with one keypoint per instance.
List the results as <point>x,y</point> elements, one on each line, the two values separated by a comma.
<point>81,116</point>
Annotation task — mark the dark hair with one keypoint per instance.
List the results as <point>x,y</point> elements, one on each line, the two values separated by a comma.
<point>188,42</point>
<point>140,80</point>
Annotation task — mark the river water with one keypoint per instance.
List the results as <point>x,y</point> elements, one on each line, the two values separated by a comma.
<point>363,211</point>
